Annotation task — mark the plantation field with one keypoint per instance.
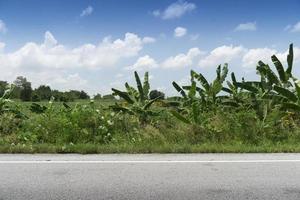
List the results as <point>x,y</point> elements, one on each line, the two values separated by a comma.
<point>225,115</point>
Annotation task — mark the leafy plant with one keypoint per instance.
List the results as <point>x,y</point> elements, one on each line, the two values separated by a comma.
<point>137,101</point>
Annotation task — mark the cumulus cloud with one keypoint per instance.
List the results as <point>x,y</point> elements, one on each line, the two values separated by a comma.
<point>182,60</point>
<point>2,45</point>
<point>220,55</point>
<point>251,58</point>
<point>175,10</point>
<point>143,63</point>
<point>180,32</point>
<point>50,54</point>
<point>3,28</point>
<point>250,26</point>
<point>148,40</point>
<point>293,28</point>
<point>87,11</point>
<point>52,63</point>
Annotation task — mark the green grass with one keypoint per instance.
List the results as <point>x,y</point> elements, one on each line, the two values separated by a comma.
<point>134,149</point>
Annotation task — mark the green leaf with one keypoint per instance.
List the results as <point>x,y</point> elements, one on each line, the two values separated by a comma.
<point>37,108</point>
<point>291,106</point>
<point>147,105</point>
<point>286,93</point>
<point>290,58</point>
<point>132,92</point>
<point>227,90</point>
<point>139,86</point>
<point>202,80</point>
<point>180,117</point>
<point>224,73</point>
<point>146,86</point>
<point>179,89</point>
<point>192,90</point>
<point>233,78</point>
<point>119,108</point>
<point>244,85</point>
<point>297,90</point>
<point>279,68</point>
<point>123,95</point>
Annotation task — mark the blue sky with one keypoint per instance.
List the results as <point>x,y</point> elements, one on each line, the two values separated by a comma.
<point>96,45</point>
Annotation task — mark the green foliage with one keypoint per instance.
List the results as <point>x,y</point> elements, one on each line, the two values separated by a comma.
<point>221,111</point>
<point>137,100</point>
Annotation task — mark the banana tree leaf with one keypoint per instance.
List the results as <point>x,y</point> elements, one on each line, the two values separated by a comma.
<point>286,93</point>
<point>139,86</point>
<point>279,68</point>
<point>246,86</point>
<point>123,95</point>
<point>180,117</point>
<point>233,78</point>
<point>179,89</point>
<point>192,90</point>
<point>118,108</point>
<point>146,86</point>
<point>227,90</point>
<point>132,92</point>
<point>290,106</point>
<point>290,58</point>
<point>202,80</point>
<point>147,105</point>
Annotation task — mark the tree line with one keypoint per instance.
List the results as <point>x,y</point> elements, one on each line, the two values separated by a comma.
<point>24,91</point>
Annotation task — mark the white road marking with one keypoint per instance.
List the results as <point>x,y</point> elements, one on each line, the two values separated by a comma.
<point>138,161</point>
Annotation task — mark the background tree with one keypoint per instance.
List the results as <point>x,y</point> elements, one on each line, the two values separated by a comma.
<point>23,89</point>
<point>156,94</point>
<point>44,92</point>
<point>83,95</point>
<point>3,85</point>
<point>98,96</point>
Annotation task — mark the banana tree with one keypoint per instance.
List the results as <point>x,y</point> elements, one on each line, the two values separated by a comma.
<point>4,103</point>
<point>5,99</point>
<point>137,101</point>
<point>200,98</point>
<point>290,99</point>
<point>283,76</point>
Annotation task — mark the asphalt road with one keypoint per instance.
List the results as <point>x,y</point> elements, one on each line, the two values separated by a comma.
<point>185,176</point>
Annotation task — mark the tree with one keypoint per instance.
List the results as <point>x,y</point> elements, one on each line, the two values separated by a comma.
<point>3,86</point>
<point>23,87</point>
<point>98,96</point>
<point>83,95</point>
<point>44,92</point>
<point>156,94</point>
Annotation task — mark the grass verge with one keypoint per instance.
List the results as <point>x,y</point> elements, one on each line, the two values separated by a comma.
<point>166,148</point>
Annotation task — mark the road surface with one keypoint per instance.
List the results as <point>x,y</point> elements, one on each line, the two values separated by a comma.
<point>153,176</point>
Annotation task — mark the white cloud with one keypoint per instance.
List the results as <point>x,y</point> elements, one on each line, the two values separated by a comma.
<point>175,10</point>
<point>148,40</point>
<point>180,32</point>
<point>50,54</point>
<point>250,26</point>
<point>251,58</point>
<point>69,82</point>
<point>3,28</point>
<point>143,63</point>
<point>220,55</point>
<point>194,37</point>
<point>156,13</point>
<point>294,28</point>
<point>52,63</point>
<point>87,11</point>
<point>182,60</point>
<point>2,46</point>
